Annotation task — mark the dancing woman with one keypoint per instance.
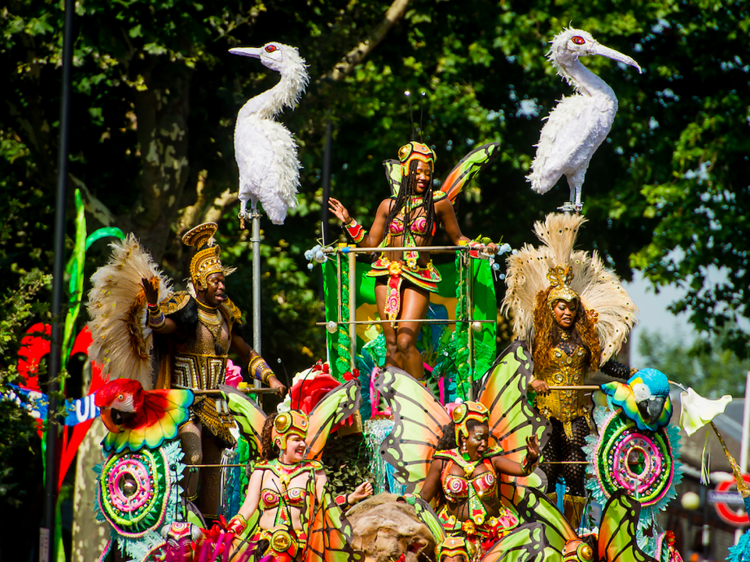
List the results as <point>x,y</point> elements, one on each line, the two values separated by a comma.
<point>409,219</point>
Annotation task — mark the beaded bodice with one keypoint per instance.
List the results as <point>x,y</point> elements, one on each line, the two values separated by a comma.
<point>567,368</point>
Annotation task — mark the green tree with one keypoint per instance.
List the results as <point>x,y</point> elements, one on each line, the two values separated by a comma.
<point>711,370</point>
<point>156,95</point>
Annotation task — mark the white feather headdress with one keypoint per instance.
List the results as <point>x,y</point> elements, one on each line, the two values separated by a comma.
<point>599,288</point>
<point>122,339</point>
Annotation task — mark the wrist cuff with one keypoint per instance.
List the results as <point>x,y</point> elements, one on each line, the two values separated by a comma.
<point>355,230</point>
<point>259,369</point>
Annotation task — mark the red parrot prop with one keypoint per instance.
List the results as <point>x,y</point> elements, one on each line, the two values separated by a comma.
<point>137,417</point>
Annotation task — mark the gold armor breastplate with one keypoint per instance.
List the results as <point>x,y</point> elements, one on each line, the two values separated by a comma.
<point>564,370</point>
<point>197,365</point>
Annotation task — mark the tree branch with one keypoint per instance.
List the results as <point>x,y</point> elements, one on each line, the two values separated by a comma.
<point>357,55</point>
<point>201,212</point>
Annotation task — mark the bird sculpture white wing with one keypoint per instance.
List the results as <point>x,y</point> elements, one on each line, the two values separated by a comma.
<point>579,123</point>
<point>265,150</point>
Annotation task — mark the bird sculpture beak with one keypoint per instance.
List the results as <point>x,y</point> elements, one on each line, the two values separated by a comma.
<point>651,409</point>
<point>598,49</point>
<point>109,423</point>
<point>253,52</point>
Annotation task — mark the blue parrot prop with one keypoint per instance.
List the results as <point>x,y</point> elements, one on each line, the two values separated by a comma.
<point>644,399</point>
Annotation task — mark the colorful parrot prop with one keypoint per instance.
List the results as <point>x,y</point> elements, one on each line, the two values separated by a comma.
<point>644,399</point>
<point>137,417</point>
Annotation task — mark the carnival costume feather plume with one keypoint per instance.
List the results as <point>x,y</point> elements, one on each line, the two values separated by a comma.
<point>122,339</point>
<point>599,288</point>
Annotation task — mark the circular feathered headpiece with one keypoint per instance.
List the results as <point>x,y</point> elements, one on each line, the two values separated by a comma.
<point>293,422</point>
<point>468,411</point>
<point>573,274</point>
<point>207,259</point>
<point>416,151</point>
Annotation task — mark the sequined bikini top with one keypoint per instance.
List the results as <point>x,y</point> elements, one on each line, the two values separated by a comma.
<point>458,488</point>
<point>418,226</point>
<point>270,499</point>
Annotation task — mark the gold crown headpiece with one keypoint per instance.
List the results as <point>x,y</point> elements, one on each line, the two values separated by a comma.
<point>416,151</point>
<point>454,546</point>
<point>560,278</point>
<point>293,422</point>
<point>468,411</point>
<point>207,259</point>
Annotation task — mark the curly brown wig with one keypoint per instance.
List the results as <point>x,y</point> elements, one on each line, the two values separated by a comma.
<point>269,450</point>
<point>547,334</point>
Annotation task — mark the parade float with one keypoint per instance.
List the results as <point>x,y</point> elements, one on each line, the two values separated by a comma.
<point>473,455</point>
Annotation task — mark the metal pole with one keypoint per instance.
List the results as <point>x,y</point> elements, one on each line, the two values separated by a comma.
<point>326,185</point>
<point>470,314</point>
<point>256,281</point>
<point>352,310</point>
<point>47,533</point>
<point>744,441</point>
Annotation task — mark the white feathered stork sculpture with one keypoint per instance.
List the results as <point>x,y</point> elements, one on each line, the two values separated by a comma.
<point>579,123</point>
<point>265,150</point>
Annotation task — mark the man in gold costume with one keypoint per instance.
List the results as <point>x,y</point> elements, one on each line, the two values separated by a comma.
<point>194,335</point>
<point>576,315</point>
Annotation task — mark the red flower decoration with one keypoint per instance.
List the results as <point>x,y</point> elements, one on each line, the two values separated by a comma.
<point>354,374</point>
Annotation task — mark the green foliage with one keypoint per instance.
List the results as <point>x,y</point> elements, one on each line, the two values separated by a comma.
<point>346,462</point>
<point>18,436</point>
<point>707,366</point>
<point>156,95</point>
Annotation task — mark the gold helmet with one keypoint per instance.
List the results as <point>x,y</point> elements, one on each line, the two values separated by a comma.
<point>207,259</point>
<point>560,278</point>
<point>293,422</point>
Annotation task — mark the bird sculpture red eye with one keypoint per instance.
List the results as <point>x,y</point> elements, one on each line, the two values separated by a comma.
<point>271,48</point>
<point>578,40</point>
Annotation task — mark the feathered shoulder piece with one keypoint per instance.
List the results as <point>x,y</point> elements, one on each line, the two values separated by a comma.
<point>533,269</point>
<point>122,340</point>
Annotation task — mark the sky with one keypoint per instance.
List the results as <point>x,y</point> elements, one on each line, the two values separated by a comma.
<point>653,314</point>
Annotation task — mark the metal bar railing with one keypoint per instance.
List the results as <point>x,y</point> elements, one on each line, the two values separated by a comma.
<point>418,320</point>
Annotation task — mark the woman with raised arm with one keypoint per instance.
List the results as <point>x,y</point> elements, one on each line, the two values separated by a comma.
<point>463,480</point>
<point>406,278</point>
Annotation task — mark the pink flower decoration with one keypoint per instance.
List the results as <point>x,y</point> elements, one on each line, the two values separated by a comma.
<point>234,374</point>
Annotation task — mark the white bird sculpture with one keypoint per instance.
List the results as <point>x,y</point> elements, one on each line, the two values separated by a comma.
<point>579,123</point>
<point>265,150</point>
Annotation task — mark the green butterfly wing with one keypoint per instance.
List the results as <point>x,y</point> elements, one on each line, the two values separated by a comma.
<point>418,420</point>
<point>617,531</point>
<point>333,408</point>
<point>467,169</point>
<point>393,175</point>
<point>248,415</point>
<point>533,506</point>
<point>526,543</point>
<point>503,392</point>
<point>427,515</point>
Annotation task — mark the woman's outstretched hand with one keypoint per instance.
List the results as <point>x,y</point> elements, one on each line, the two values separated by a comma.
<point>360,492</point>
<point>335,206</point>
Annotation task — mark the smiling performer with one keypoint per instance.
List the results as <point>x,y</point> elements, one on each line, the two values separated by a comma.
<point>200,332</point>
<point>290,493</point>
<point>409,219</point>
<point>576,315</point>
